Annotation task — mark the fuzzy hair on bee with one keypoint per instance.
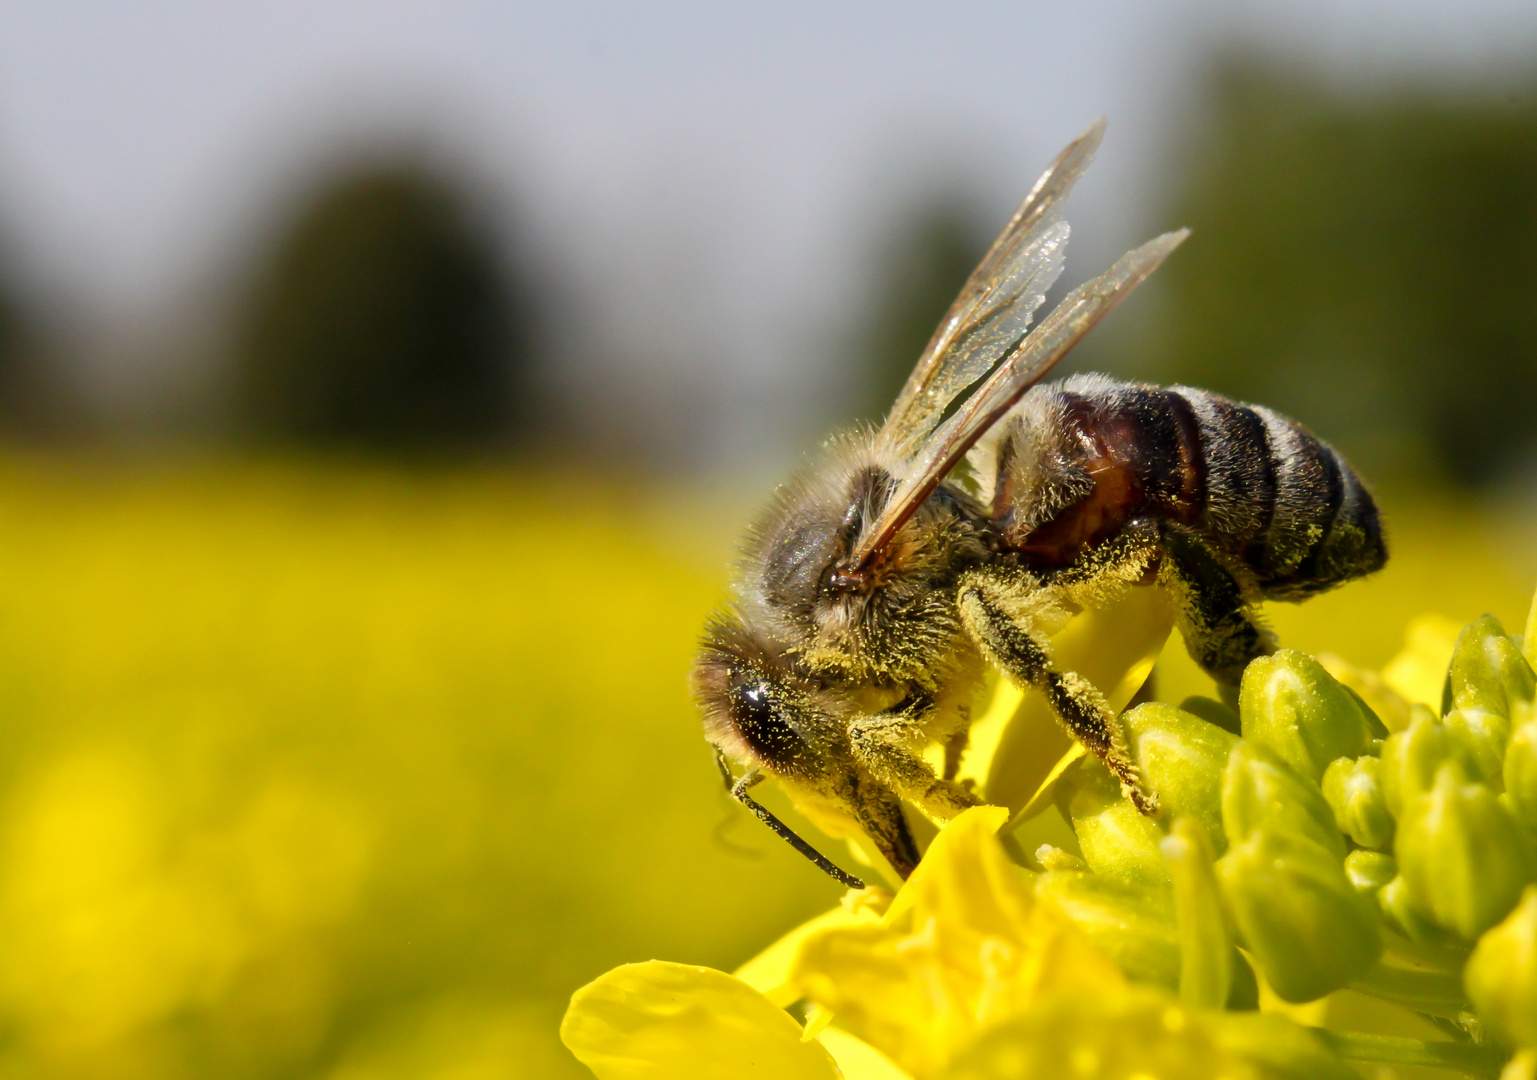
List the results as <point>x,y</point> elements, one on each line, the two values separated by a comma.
<point>876,589</point>
<point>899,628</point>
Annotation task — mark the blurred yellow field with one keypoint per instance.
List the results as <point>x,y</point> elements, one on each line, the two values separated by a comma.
<point>336,773</point>
<point>343,773</point>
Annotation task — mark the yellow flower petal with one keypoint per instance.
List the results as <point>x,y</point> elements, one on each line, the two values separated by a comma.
<point>966,876</point>
<point>857,1059</point>
<point>1001,701</point>
<point>769,971</point>
<point>1043,793</point>
<point>1521,1067</point>
<point>1419,671</point>
<point>1131,1035</point>
<point>663,1021</point>
<point>963,945</point>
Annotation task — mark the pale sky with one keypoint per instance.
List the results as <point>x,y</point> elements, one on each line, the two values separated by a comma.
<point>710,174</point>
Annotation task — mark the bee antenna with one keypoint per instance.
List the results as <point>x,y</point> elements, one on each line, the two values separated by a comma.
<point>763,814</point>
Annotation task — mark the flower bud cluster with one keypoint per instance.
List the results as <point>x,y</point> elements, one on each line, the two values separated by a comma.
<point>1324,849</point>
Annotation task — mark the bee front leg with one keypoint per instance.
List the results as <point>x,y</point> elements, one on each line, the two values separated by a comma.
<point>886,744</point>
<point>1078,705</point>
<point>879,812</point>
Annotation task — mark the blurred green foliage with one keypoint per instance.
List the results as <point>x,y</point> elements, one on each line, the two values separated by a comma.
<point>385,320</point>
<point>1365,262</point>
<point>921,268</point>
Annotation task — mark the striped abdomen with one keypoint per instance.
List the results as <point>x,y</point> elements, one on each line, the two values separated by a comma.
<point>1260,489</point>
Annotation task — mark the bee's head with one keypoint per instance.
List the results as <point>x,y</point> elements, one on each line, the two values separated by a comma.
<point>881,621</point>
<point>765,715</point>
<point>758,710</point>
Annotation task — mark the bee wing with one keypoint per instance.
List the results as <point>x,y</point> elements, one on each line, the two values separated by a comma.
<point>1031,358</point>
<point>996,304</point>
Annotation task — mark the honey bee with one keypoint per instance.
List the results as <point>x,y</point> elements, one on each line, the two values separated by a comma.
<point>877,586</point>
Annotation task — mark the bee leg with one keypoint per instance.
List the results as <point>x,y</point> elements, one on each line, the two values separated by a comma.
<point>955,750</point>
<point>1215,616</point>
<point>884,744</point>
<point>1077,704</point>
<point>879,813</point>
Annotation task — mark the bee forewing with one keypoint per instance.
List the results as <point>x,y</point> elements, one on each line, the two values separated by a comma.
<point>999,318</point>
<point>996,304</point>
<point>1068,322</point>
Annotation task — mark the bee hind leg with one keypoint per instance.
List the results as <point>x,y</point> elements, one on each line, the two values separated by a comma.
<point>1216,618</point>
<point>1078,705</point>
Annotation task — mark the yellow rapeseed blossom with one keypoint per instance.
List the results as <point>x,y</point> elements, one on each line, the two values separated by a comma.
<point>961,945</point>
<point>967,974</point>
<point>1345,838</point>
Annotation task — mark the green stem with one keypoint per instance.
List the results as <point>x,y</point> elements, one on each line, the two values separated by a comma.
<point>1450,1028</point>
<point>1448,958</point>
<point>1477,1061</point>
<point>1436,992</point>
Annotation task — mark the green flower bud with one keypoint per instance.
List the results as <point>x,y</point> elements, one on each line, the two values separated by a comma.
<point>1135,925</point>
<point>1051,857</point>
<point>1302,921</point>
<point>1213,712</point>
<point>1205,950</point>
<point>1369,871</point>
<point>1292,705</point>
<point>1482,736</point>
<point>1501,975</point>
<point>1354,792</point>
<point>1132,924</point>
<point>1402,915</point>
<point>1529,639</point>
<point>1488,673</point>
<point>1261,791</point>
<point>1386,709</point>
<point>1115,839</point>
<point>1412,757</point>
<point>1463,858</point>
<point>1282,1049</point>
<point>1520,774</point>
<point>1183,758</point>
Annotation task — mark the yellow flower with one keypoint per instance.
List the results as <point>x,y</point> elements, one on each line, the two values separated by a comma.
<point>1419,670</point>
<point>962,948</point>
<point>964,975</point>
<point>664,1021</point>
<point>964,944</point>
<point>981,969</point>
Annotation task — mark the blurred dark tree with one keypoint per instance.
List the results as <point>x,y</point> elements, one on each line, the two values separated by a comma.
<point>385,320</point>
<point>13,359</point>
<point>1367,263</point>
<point>37,398</point>
<point>922,266</point>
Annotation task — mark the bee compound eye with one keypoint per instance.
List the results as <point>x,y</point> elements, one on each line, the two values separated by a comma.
<point>761,715</point>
